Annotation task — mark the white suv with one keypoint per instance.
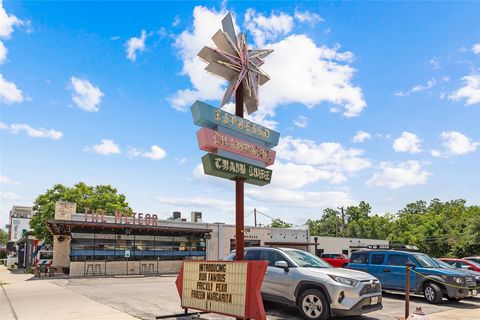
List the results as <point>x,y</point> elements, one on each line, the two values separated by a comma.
<point>320,291</point>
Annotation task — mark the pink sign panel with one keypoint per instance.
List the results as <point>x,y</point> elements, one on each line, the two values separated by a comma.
<point>211,140</point>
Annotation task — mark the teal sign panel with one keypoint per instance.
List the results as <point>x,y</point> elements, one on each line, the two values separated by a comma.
<point>205,115</point>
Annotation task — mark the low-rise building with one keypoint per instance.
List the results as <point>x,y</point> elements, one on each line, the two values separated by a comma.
<point>19,222</point>
<point>342,245</point>
<point>92,243</point>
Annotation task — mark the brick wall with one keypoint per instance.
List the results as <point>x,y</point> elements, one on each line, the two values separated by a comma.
<point>64,210</point>
<point>147,267</point>
<point>61,251</point>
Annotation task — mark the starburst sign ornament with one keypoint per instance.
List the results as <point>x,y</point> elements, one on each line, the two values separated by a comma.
<point>233,61</point>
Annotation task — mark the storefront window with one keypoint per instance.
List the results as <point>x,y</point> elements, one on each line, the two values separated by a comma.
<point>82,246</point>
<point>104,246</point>
<point>90,246</point>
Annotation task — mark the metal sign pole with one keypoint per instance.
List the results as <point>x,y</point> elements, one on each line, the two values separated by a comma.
<point>407,292</point>
<point>239,190</point>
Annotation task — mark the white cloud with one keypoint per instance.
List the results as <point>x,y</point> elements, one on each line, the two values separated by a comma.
<point>301,122</point>
<point>85,95</point>
<point>3,53</point>
<point>267,28</point>
<point>7,180</point>
<point>205,85</point>
<point>295,176</point>
<point>407,142</point>
<point>420,87</point>
<point>470,92</point>
<point>181,160</point>
<point>155,153</point>
<point>327,155</point>
<point>404,174</point>
<point>9,93</point>
<point>176,21</point>
<point>457,143</point>
<point>7,22</point>
<point>308,17</point>
<point>435,153</point>
<point>135,44</point>
<point>16,128</point>
<point>435,64</point>
<point>312,75</point>
<point>302,199</point>
<point>106,147</point>
<point>9,196</point>
<point>361,136</point>
<point>476,48</point>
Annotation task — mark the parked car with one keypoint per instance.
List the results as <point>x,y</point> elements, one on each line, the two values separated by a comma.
<point>462,263</point>
<point>318,290</point>
<point>436,282</point>
<point>336,259</point>
<point>474,259</point>
<point>474,274</point>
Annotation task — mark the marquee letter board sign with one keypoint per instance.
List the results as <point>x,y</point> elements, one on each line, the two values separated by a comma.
<point>231,288</point>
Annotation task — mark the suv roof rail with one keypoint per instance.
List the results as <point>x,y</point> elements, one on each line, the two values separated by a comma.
<point>392,246</point>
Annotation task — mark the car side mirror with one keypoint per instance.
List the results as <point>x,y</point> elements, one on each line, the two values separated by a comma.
<point>471,268</point>
<point>411,265</point>
<point>281,264</point>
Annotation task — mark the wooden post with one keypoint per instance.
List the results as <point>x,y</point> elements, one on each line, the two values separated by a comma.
<point>407,292</point>
<point>239,189</point>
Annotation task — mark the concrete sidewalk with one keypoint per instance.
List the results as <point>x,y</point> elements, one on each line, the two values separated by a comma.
<point>24,297</point>
<point>471,314</point>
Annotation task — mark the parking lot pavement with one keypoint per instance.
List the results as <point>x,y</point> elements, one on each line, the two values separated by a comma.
<point>146,298</point>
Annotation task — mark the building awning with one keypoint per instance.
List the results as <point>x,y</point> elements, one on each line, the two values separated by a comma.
<point>66,227</point>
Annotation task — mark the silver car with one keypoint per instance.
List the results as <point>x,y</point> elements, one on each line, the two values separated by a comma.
<point>318,290</point>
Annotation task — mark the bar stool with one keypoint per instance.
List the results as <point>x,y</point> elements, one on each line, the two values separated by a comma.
<point>98,269</point>
<point>89,268</point>
<point>151,268</point>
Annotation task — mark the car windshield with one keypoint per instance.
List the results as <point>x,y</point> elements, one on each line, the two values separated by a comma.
<point>476,264</point>
<point>477,260</point>
<point>306,260</point>
<point>443,264</point>
<point>426,261</point>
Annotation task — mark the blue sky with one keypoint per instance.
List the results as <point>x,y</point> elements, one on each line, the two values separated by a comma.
<point>374,101</point>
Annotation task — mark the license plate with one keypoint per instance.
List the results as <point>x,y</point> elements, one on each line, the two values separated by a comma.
<point>374,300</point>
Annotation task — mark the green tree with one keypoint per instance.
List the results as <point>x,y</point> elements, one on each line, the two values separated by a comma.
<point>3,236</point>
<point>329,225</point>
<point>103,197</point>
<point>370,227</point>
<point>278,223</point>
<point>361,211</point>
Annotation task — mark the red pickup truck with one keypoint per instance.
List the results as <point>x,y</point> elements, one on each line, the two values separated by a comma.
<point>337,260</point>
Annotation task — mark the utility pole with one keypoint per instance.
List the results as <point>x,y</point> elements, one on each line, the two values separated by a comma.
<point>343,217</point>
<point>255,216</point>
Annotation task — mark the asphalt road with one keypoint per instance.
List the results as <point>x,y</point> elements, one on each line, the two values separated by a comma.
<point>146,298</point>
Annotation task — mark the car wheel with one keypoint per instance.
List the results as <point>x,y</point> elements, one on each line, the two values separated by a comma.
<point>452,299</point>
<point>432,292</point>
<point>313,305</point>
<point>345,265</point>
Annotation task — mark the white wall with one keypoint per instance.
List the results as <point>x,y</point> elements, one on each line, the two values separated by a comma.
<point>337,245</point>
<point>18,225</point>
